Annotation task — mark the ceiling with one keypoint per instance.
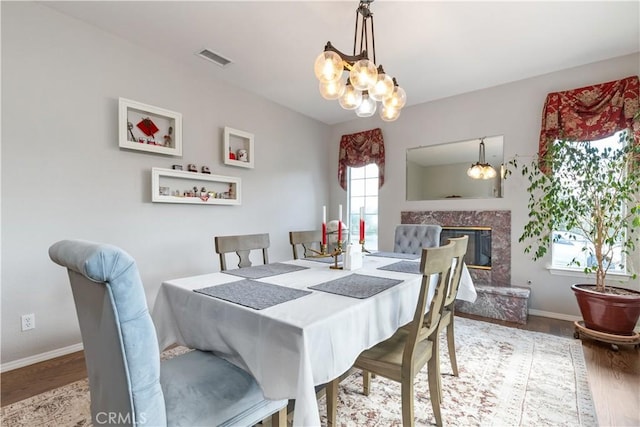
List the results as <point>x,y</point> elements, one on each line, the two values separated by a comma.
<point>434,49</point>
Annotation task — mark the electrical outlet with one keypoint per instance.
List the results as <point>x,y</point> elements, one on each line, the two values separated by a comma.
<point>28,321</point>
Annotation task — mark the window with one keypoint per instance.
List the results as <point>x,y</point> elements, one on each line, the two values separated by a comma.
<point>569,248</point>
<point>363,192</point>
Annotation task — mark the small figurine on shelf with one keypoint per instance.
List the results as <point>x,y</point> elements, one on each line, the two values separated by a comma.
<point>176,167</point>
<point>205,169</point>
<point>232,156</point>
<point>130,128</point>
<point>243,155</point>
<point>204,195</point>
<point>168,138</point>
<point>232,192</point>
<point>192,168</point>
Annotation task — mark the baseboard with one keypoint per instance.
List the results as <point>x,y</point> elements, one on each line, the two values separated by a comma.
<point>552,315</point>
<point>21,363</point>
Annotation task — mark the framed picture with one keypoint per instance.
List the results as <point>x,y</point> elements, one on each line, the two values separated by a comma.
<point>144,127</point>
<point>238,148</point>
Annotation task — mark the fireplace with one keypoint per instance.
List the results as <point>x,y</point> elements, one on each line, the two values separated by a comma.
<point>479,247</point>
<point>497,222</point>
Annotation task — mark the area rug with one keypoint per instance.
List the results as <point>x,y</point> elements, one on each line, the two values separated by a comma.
<point>507,377</point>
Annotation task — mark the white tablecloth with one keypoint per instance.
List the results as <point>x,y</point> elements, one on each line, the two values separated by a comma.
<point>291,347</point>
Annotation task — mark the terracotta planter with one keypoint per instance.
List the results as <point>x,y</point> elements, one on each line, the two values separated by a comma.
<point>609,313</point>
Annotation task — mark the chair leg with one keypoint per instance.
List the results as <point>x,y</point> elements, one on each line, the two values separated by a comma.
<point>436,355</point>
<point>279,419</point>
<point>332,401</point>
<point>407,402</point>
<point>434,391</point>
<point>366,382</point>
<point>452,348</point>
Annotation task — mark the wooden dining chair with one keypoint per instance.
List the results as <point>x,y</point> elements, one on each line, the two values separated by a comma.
<point>311,239</point>
<point>242,245</point>
<point>448,307</point>
<point>402,356</point>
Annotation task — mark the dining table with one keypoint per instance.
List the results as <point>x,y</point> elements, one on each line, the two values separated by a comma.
<point>295,324</point>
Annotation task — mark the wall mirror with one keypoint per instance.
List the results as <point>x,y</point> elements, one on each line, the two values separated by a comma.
<point>440,171</point>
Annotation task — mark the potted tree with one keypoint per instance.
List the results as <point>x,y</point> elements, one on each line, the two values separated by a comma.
<point>594,193</point>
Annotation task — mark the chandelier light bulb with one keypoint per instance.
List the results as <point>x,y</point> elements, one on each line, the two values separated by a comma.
<point>333,89</point>
<point>351,98</point>
<point>363,74</point>
<point>383,86</point>
<point>481,171</point>
<point>397,99</point>
<point>328,66</point>
<point>367,107</point>
<point>389,114</point>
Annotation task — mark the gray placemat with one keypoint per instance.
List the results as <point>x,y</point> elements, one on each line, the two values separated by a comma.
<point>266,270</point>
<point>326,260</point>
<point>356,285</point>
<point>403,267</point>
<point>395,255</point>
<point>256,295</point>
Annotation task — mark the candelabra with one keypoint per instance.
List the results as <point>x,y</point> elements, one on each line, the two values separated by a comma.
<point>324,254</point>
<point>364,250</point>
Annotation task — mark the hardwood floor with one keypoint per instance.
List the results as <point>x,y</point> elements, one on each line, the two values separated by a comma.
<point>614,376</point>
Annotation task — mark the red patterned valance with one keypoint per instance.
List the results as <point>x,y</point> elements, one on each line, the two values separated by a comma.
<point>360,149</point>
<point>589,113</point>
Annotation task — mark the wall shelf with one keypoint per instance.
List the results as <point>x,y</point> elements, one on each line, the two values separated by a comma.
<point>236,141</point>
<point>132,117</point>
<point>176,186</point>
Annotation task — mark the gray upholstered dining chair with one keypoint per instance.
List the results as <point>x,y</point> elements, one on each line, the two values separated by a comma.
<point>412,238</point>
<point>242,245</point>
<point>448,308</point>
<point>311,239</point>
<point>128,383</point>
<point>402,356</point>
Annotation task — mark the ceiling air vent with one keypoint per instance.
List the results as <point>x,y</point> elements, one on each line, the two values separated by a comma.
<point>214,57</point>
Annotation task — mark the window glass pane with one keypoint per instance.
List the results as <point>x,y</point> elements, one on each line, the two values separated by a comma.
<point>371,187</point>
<point>371,170</point>
<point>357,173</point>
<point>570,248</point>
<point>363,191</point>
<point>356,203</point>
<point>371,208</point>
<point>357,187</point>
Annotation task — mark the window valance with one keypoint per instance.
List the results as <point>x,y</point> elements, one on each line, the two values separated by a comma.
<point>360,149</point>
<point>591,112</point>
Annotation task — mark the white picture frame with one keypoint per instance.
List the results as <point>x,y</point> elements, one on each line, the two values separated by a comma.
<point>234,141</point>
<point>168,138</point>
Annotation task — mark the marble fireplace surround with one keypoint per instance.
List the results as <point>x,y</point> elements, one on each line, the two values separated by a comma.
<point>500,223</point>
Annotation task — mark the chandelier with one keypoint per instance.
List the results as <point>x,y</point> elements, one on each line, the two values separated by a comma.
<point>366,82</point>
<point>481,169</point>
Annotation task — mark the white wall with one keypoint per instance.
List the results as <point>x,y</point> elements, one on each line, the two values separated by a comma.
<point>64,176</point>
<point>513,110</point>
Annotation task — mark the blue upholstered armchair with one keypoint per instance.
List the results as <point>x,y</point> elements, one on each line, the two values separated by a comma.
<point>412,238</point>
<point>128,383</point>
